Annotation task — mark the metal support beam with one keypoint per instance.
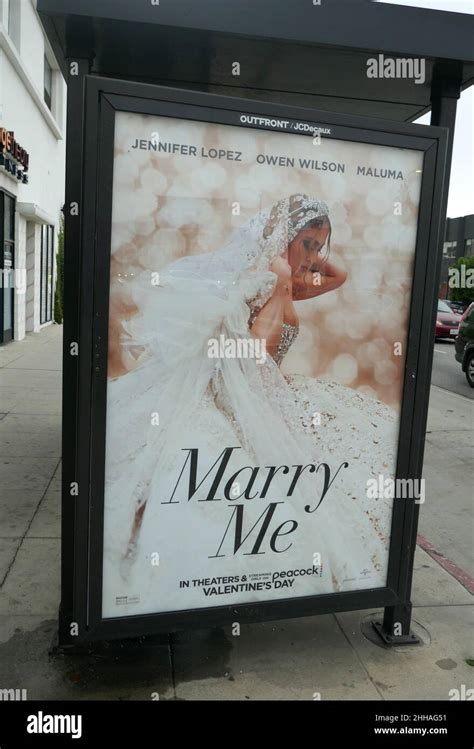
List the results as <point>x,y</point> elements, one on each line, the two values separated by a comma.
<point>445,91</point>
<point>78,68</point>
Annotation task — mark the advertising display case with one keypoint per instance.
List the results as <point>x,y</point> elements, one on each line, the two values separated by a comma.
<point>256,300</point>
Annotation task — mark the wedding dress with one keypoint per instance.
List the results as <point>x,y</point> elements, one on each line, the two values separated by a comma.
<point>194,547</point>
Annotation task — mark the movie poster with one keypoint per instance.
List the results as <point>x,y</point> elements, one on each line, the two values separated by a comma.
<point>260,291</point>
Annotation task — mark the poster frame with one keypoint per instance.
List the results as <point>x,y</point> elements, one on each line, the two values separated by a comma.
<point>82,541</point>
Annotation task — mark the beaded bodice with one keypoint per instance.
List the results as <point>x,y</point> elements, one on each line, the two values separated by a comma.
<point>288,335</point>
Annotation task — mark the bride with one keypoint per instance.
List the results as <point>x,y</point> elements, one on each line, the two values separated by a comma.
<point>219,468</point>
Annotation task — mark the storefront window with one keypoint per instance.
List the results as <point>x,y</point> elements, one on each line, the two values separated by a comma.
<point>46,281</point>
<point>7,255</point>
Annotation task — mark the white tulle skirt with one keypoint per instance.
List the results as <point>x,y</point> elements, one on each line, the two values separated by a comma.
<point>330,537</point>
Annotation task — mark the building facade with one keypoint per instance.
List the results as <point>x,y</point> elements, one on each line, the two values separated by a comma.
<point>459,242</point>
<point>32,163</point>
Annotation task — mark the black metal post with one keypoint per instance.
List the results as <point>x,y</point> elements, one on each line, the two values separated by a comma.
<point>78,66</point>
<point>445,91</point>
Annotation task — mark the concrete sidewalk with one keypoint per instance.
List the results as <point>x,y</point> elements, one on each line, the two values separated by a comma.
<point>333,656</point>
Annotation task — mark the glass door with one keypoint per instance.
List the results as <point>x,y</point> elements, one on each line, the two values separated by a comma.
<point>46,276</point>
<point>7,261</point>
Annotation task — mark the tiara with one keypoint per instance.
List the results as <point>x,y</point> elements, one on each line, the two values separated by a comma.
<point>307,209</point>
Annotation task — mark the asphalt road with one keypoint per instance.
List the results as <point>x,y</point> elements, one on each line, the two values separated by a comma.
<point>447,372</point>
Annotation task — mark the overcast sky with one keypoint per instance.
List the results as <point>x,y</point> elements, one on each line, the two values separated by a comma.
<point>461,185</point>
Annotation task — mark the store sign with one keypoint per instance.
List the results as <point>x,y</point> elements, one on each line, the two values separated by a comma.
<point>253,392</point>
<point>13,157</point>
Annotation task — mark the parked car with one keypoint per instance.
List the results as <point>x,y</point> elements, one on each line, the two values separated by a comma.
<point>464,344</point>
<point>458,307</point>
<point>447,321</point>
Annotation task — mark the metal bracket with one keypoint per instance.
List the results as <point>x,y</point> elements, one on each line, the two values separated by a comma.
<point>392,640</point>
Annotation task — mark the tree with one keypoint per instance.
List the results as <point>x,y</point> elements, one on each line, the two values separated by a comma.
<point>461,280</point>
<point>59,291</point>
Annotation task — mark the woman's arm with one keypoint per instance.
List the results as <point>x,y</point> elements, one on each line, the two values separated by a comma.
<point>314,283</point>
